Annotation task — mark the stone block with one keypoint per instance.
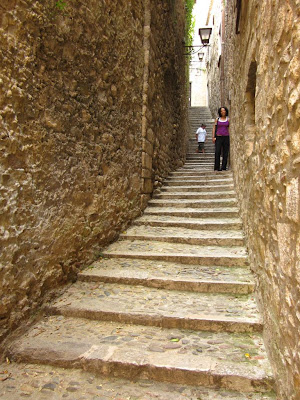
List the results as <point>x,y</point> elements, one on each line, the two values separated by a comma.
<point>150,135</point>
<point>146,173</point>
<point>147,147</point>
<point>146,161</point>
<point>147,186</point>
<point>293,200</point>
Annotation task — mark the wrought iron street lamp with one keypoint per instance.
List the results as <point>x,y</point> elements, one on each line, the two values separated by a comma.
<point>201,56</point>
<point>204,36</point>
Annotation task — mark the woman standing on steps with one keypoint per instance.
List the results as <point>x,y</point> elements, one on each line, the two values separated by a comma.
<point>220,137</point>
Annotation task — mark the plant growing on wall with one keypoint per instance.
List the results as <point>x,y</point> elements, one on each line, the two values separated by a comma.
<point>190,22</point>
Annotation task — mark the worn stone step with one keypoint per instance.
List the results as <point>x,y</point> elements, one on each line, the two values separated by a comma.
<point>196,157</point>
<point>150,306</point>
<point>168,275</point>
<point>40,382</point>
<point>178,252</point>
<point>215,181</point>
<point>182,172</point>
<point>196,188</point>
<point>203,195</point>
<point>191,223</point>
<point>201,167</point>
<point>193,147</point>
<point>209,151</point>
<point>184,235</point>
<point>202,179</point>
<point>200,171</point>
<point>200,157</point>
<point>202,174</point>
<point>195,203</point>
<point>200,162</point>
<point>120,350</point>
<point>221,212</point>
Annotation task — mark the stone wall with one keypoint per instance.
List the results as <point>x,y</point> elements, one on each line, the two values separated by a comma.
<point>73,82</point>
<point>164,129</point>
<point>213,61</point>
<point>263,85</point>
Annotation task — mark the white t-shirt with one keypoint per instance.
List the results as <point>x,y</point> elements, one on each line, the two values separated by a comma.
<point>201,134</point>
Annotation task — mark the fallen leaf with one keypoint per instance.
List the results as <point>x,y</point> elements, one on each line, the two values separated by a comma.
<point>175,340</point>
<point>5,378</point>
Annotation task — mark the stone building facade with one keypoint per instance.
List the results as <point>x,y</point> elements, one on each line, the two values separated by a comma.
<point>87,91</point>
<point>214,56</point>
<point>262,86</point>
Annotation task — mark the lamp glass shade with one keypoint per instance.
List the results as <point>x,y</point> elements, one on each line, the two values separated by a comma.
<point>205,35</point>
<point>200,56</point>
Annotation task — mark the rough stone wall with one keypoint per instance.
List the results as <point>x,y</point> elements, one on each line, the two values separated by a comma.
<point>262,79</point>
<point>72,85</point>
<point>164,125</point>
<point>213,63</point>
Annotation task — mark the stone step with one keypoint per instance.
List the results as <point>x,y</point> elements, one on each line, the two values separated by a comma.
<point>228,212</point>
<point>203,195</point>
<point>205,119</point>
<point>213,179</point>
<point>201,168</point>
<point>178,252</point>
<point>200,156</point>
<point>191,223</point>
<point>184,235</point>
<point>200,181</point>
<point>40,382</point>
<point>183,172</point>
<point>200,161</point>
<point>195,203</point>
<point>135,304</point>
<point>196,358</point>
<point>209,147</point>
<point>206,176</point>
<point>196,156</point>
<point>190,189</point>
<point>168,275</point>
<point>193,144</point>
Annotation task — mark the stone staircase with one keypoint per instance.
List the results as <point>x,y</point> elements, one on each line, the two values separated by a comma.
<point>170,306</point>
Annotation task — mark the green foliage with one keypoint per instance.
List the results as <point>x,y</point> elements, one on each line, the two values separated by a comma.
<point>190,22</point>
<point>61,5</point>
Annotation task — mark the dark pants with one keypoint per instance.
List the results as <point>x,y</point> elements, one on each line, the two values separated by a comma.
<point>222,143</point>
<point>200,146</point>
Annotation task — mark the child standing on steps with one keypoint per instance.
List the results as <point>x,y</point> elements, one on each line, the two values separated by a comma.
<point>200,137</point>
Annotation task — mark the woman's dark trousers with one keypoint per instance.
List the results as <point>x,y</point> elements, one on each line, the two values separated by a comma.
<point>222,143</point>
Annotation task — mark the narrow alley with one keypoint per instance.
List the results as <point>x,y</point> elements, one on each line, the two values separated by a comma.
<point>171,301</point>
<point>131,267</point>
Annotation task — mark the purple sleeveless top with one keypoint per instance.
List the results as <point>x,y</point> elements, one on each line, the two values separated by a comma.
<point>223,128</point>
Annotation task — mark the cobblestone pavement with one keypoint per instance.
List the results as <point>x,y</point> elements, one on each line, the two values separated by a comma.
<point>167,312</point>
<point>147,268</point>
<point>42,382</point>
<point>139,300</point>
